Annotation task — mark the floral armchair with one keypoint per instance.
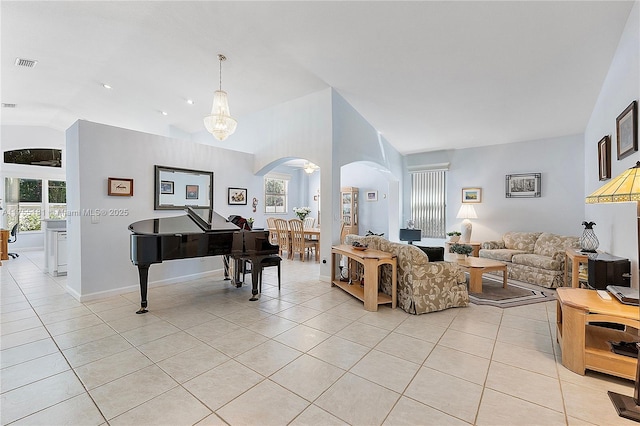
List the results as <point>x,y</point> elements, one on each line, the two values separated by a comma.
<point>422,286</point>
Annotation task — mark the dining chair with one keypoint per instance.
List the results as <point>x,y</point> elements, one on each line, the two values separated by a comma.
<point>273,234</point>
<point>282,229</point>
<point>309,222</point>
<point>299,244</point>
<point>12,239</point>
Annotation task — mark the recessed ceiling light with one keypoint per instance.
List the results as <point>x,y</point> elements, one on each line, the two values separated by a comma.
<point>163,112</point>
<point>190,101</point>
<point>106,86</point>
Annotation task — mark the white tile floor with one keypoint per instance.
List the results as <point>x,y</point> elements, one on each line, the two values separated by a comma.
<point>308,355</point>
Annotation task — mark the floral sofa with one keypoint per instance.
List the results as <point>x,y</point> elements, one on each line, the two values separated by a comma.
<point>422,286</point>
<point>533,257</point>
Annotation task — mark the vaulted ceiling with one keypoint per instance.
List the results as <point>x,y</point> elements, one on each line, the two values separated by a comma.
<point>428,75</point>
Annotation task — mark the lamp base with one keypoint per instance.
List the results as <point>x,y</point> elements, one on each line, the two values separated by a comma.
<point>625,406</point>
<point>466,231</point>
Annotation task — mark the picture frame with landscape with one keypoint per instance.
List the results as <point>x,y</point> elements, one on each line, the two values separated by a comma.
<point>192,192</point>
<point>471,195</point>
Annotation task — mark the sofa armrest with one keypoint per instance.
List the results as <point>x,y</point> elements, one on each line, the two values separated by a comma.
<point>493,245</point>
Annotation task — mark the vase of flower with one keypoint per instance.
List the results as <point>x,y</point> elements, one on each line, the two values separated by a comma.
<point>302,212</point>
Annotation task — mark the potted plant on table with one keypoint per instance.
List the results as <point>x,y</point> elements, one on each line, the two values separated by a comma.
<point>454,236</point>
<point>461,250</point>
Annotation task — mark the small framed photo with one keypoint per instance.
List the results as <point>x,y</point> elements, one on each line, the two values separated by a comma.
<point>372,195</point>
<point>525,185</point>
<point>604,158</point>
<point>627,131</point>
<point>120,186</point>
<point>471,195</point>
<point>166,187</point>
<point>192,192</point>
<point>237,196</point>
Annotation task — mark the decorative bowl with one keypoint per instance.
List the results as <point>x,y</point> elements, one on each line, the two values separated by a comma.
<point>359,248</point>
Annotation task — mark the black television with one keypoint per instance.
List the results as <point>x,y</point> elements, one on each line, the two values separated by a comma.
<point>410,235</point>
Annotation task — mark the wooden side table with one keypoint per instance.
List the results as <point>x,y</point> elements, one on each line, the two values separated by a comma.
<point>576,258</point>
<point>475,246</point>
<point>4,250</point>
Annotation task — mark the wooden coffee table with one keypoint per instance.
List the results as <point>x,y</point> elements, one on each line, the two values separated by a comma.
<point>476,266</point>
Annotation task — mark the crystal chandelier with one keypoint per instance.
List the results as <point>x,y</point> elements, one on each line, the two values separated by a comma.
<point>220,123</point>
<point>309,167</point>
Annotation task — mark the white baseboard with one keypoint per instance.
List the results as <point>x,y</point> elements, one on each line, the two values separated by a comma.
<point>136,287</point>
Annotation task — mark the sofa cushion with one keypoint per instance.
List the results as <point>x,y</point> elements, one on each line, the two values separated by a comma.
<point>537,261</point>
<point>435,254</point>
<point>503,255</point>
<point>553,245</point>
<point>523,241</point>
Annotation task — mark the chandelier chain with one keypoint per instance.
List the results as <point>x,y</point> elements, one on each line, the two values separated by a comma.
<point>221,58</point>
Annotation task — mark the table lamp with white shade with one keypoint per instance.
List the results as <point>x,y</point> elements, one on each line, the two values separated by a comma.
<point>466,212</point>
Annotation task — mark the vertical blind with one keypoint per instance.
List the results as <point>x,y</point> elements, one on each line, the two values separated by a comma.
<point>428,209</point>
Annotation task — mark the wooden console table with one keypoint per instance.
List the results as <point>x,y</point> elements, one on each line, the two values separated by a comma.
<point>583,345</point>
<point>371,260</point>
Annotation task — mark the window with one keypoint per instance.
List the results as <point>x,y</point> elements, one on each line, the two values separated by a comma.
<point>28,204</point>
<point>275,193</point>
<point>428,209</point>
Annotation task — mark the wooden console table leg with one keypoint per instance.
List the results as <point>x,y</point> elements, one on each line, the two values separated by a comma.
<point>394,284</point>
<point>371,285</point>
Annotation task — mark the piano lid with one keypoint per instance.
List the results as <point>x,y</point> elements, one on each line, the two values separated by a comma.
<point>196,221</point>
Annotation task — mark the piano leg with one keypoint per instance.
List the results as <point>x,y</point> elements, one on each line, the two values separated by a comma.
<point>143,271</point>
<point>254,281</point>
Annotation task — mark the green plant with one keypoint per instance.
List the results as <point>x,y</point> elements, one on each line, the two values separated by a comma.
<point>461,249</point>
<point>452,233</point>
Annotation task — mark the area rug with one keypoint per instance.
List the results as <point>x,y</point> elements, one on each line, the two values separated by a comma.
<point>516,294</point>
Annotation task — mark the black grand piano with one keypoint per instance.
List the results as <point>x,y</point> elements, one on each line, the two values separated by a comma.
<point>199,233</point>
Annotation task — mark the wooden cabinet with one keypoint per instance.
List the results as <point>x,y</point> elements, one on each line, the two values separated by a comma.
<point>584,342</point>
<point>349,208</point>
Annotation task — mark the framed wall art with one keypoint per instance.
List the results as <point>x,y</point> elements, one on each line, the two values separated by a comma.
<point>237,196</point>
<point>471,195</point>
<point>604,158</point>
<point>371,196</point>
<point>166,187</point>
<point>524,185</point>
<point>120,186</point>
<point>192,192</point>
<point>627,131</point>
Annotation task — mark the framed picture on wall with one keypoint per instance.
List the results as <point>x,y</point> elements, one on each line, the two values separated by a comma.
<point>372,195</point>
<point>471,195</point>
<point>166,187</point>
<point>237,196</point>
<point>120,186</point>
<point>627,131</point>
<point>604,158</point>
<point>192,192</point>
<point>524,185</point>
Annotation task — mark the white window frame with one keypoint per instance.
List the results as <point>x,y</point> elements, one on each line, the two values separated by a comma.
<point>277,176</point>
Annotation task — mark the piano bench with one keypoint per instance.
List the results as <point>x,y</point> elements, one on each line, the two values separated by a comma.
<point>273,260</point>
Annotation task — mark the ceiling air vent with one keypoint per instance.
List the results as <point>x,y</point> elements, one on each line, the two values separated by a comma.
<point>8,105</point>
<point>29,63</point>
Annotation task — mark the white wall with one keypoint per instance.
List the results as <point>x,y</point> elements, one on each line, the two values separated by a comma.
<point>616,224</point>
<point>559,209</point>
<point>99,259</point>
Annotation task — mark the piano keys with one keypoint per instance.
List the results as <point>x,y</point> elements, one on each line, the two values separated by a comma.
<point>199,233</point>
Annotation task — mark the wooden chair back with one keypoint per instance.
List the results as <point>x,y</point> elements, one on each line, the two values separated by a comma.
<point>297,238</point>
<point>282,229</point>
<point>273,234</point>
<point>309,222</point>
